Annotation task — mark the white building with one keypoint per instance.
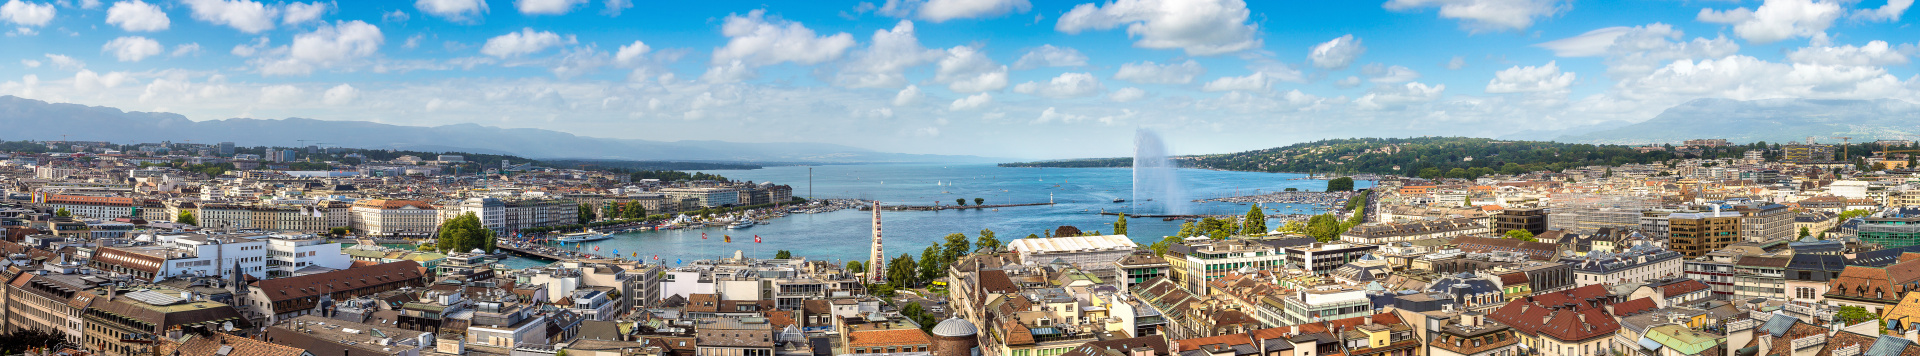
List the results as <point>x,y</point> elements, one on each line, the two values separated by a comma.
<point>386,217</point>
<point>685,283</point>
<point>1084,252</point>
<point>187,255</point>
<point>303,254</point>
<point>1850,189</point>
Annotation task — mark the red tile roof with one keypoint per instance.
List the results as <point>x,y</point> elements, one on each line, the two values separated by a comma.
<point>298,287</point>
<point>1571,315</point>
<point>1682,288</point>
<point>1635,306</point>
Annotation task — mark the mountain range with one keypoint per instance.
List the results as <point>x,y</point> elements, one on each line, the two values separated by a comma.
<point>1770,120</point>
<point>28,119</point>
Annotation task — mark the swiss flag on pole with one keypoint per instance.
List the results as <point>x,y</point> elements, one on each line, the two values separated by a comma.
<point>596,249</point>
<point>703,236</point>
<point>756,238</point>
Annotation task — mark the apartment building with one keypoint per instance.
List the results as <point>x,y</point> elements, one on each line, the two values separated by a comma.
<point>1763,222</point>
<point>393,218</point>
<point>1696,234</point>
<point>290,254</point>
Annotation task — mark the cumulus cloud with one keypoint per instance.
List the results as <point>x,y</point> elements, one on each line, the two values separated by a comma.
<point>1875,53</point>
<point>453,10</point>
<point>137,16</point>
<point>1379,73</point>
<point>614,7</point>
<point>1127,95</point>
<point>1336,54</point>
<point>884,63</point>
<point>1050,56</point>
<point>1488,15</point>
<point>971,102</point>
<point>1067,85</point>
<point>944,10</point>
<point>729,72</point>
<point>1778,20</point>
<point>303,12</point>
<point>759,40</point>
<point>546,7</point>
<point>527,41</point>
<point>1348,82</point>
<point>30,63</point>
<point>908,96</point>
<point>342,94</point>
<point>86,81</point>
<point>132,48</point>
<point>1199,27</point>
<point>186,49</point>
<point>1642,49</point>
<point>1747,78</point>
<point>1891,11</point>
<point>65,62</point>
<point>1395,97</point>
<point>246,16</point>
<point>1052,115</point>
<point>325,47</point>
<point>280,95</point>
<point>1591,44</point>
<point>1457,62</point>
<point>631,54</point>
<point>27,13</point>
<point>395,16</point>
<point>1152,73</point>
<point>1531,79</point>
<point>968,70</point>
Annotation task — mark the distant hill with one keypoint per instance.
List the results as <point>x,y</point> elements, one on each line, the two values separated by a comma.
<point>1771,120</point>
<point>40,120</point>
<point>1454,157</point>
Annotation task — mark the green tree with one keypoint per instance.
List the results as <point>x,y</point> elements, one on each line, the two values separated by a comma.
<point>783,254</point>
<point>635,211</point>
<point>1293,227</point>
<point>186,217</point>
<point>1324,227</point>
<point>62,212</point>
<point>902,271</point>
<point>960,201</point>
<point>957,246</point>
<point>1804,232</point>
<point>931,263</point>
<point>585,214</point>
<point>987,241</point>
<point>27,339</point>
<point>1854,315</point>
<point>1522,235</point>
<point>1293,189</point>
<point>1189,229</point>
<point>1255,223</point>
<point>855,267</point>
<point>1160,248</point>
<point>465,233</point>
<point>1342,184</point>
<point>979,201</point>
<point>1218,228</point>
<point>339,231</point>
<point>1120,225</point>
<point>1033,236</point>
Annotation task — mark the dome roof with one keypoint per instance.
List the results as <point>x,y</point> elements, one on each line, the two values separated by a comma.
<point>953,327</point>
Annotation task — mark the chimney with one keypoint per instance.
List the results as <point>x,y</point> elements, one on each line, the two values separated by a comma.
<point>1369,319</point>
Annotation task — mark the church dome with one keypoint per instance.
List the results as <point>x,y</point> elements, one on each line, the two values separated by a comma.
<point>955,327</point>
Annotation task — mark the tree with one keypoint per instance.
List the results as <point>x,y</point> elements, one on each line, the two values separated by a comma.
<point>987,241</point>
<point>1324,227</point>
<point>1160,248</point>
<point>960,201</point>
<point>635,211</point>
<point>585,214</point>
<point>957,246</point>
<point>1293,189</point>
<point>902,271</point>
<point>62,212</point>
<point>783,254</point>
<point>979,201</point>
<point>465,233</point>
<point>1255,223</point>
<point>1804,232</point>
<point>1120,225</point>
<point>1293,227</point>
<point>855,267</point>
<point>1522,235</point>
<point>186,217</point>
<point>339,231</point>
<point>1345,184</point>
<point>1854,315</point>
<point>931,264</point>
<point>23,340</point>
<point>1033,236</point>
<point>1188,229</point>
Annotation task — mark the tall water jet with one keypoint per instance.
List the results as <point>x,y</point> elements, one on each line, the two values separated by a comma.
<point>1156,185</point>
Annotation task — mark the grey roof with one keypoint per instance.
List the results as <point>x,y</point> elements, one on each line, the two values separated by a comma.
<point>1887,345</point>
<point>955,327</point>
<point>1779,324</point>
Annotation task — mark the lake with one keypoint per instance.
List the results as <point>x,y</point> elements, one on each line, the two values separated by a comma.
<point>1079,195</point>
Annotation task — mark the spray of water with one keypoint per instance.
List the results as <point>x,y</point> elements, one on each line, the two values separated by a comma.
<point>1156,186</point>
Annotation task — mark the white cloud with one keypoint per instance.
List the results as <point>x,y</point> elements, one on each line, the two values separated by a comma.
<point>1050,56</point>
<point>1875,53</point>
<point>1127,95</point>
<point>1457,62</point>
<point>137,16</point>
<point>1263,77</point>
<point>1891,11</point>
<point>246,16</point>
<point>614,7</point>
<point>90,4</point>
<point>546,7</point>
<point>527,41</point>
<point>1379,73</point>
<point>1067,85</point>
<point>1199,27</point>
<point>132,48</point>
<point>27,13</point>
<point>1052,115</point>
<point>1395,97</point>
<point>1336,54</point>
<point>1590,44</point>
<point>342,94</point>
<point>1531,79</point>
<point>303,12</point>
<point>883,64</point>
<point>1349,82</point>
<point>1746,78</point>
<point>731,72</point>
<point>1151,73</point>
<point>453,10</point>
<point>631,54</point>
<point>1488,15</point>
<point>1777,20</point>
<point>186,49</point>
<point>759,41</point>
<point>944,10</point>
<point>86,81</point>
<point>326,47</point>
<point>258,46</point>
<point>971,102</point>
<point>64,62</point>
<point>280,95</point>
<point>30,63</point>
<point>1641,49</point>
<point>395,16</point>
<point>908,96</point>
<point>968,70</point>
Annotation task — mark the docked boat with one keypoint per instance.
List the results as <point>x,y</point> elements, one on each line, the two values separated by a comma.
<point>585,236</point>
<point>1118,200</point>
<point>742,224</point>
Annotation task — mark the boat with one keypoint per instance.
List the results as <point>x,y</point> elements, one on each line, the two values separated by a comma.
<point>1118,200</point>
<point>585,236</point>
<point>742,224</point>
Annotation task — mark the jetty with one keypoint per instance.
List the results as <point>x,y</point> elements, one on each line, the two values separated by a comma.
<point>538,251</point>
<point>947,207</point>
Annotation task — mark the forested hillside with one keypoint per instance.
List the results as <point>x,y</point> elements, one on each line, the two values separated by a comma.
<point>1459,157</point>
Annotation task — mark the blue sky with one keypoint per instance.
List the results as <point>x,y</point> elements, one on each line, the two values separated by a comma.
<point>1006,78</point>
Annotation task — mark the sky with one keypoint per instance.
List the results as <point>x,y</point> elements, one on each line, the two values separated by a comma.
<point>1000,78</point>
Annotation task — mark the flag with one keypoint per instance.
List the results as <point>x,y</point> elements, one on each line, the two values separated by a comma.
<point>596,249</point>
<point>703,236</point>
<point>729,238</point>
<point>616,252</point>
<point>756,238</point>
<point>656,257</point>
<point>676,261</point>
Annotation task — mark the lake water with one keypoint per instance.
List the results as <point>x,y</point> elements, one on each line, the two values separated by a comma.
<point>1079,193</point>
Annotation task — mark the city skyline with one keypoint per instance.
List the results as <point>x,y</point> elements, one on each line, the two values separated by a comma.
<point>1011,78</point>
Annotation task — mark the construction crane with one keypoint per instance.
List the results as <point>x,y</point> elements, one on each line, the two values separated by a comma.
<point>1844,154</point>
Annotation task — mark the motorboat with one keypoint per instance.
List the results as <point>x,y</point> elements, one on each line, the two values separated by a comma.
<point>584,236</point>
<point>742,224</point>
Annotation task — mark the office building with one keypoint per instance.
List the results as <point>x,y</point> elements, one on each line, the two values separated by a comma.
<point>1531,220</point>
<point>1696,234</point>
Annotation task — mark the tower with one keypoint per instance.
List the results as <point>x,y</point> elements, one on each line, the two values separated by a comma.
<point>878,255</point>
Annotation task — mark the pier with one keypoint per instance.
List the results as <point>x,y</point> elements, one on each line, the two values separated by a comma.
<point>947,207</point>
<point>538,251</point>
